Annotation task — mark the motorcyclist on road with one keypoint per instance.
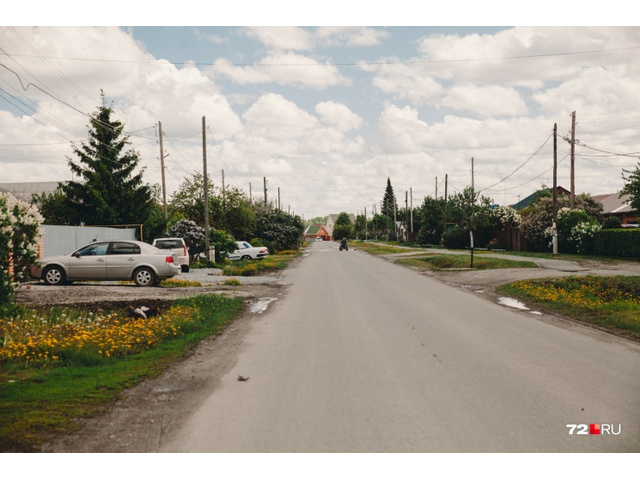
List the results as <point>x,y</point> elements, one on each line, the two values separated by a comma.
<point>343,244</point>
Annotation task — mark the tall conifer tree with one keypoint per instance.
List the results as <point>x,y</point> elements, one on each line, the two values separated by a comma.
<point>389,201</point>
<point>111,192</point>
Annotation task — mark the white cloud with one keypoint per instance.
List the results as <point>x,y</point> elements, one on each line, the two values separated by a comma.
<point>282,38</point>
<point>485,101</point>
<point>405,81</point>
<point>350,36</point>
<point>283,69</point>
<point>338,115</point>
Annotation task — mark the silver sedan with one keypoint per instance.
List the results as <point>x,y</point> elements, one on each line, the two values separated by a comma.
<point>145,264</point>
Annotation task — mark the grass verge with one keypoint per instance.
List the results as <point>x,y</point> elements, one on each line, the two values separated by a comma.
<point>442,262</point>
<point>40,397</point>
<point>247,268</point>
<point>612,303</point>
<point>377,248</point>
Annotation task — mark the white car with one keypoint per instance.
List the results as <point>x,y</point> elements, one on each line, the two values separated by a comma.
<point>246,252</point>
<point>175,245</point>
<point>117,260</point>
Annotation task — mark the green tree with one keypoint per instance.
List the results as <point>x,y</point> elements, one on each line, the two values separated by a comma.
<point>343,227</point>
<point>278,230</point>
<point>632,186</point>
<point>188,200</point>
<point>222,242</point>
<point>237,215</point>
<point>110,192</point>
<point>430,221</point>
<point>389,204</point>
<point>55,209</point>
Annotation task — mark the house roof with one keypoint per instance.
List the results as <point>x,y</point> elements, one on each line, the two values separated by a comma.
<point>525,202</point>
<point>313,229</point>
<point>613,203</point>
<point>25,190</point>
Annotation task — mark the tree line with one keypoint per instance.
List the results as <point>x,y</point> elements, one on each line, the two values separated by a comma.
<point>447,222</point>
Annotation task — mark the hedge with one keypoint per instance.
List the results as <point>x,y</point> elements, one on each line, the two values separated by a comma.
<point>617,243</point>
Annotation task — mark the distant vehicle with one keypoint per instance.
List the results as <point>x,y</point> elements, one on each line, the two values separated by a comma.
<point>246,252</point>
<point>175,245</point>
<point>318,239</point>
<point>145,264</point>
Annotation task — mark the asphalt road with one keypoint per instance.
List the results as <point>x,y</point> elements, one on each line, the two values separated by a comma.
<point>362,355</point>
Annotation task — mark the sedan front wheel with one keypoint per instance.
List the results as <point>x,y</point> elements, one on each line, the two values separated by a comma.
<point>144,277</point>
<point>54,275</point>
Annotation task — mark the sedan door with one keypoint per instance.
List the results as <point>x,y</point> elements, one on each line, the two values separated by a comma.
<point>121,260</point>
<point>89,263</point>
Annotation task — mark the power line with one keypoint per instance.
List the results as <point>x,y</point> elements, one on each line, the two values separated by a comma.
<point>338,64</point>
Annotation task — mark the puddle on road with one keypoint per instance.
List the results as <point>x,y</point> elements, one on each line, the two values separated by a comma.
<point>261,305</point>
<point>513,303</point>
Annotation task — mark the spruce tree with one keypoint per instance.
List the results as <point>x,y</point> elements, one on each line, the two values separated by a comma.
<point>389,205</point>
<point>111,192</point>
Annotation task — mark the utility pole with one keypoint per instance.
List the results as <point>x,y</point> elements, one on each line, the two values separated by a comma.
<point>572,198</point>
<point>411,206</point>
<point>365,224</point>
<point>472,181</point>
<point>278,198</point>
<point>224,211</point>
<point>264,179</point>
<point>164,186</point>
<point>473,202</point>
<point>395,218</point>
<point>444,214</point>
<point>554,226</point>
<point>375,223</point>
<point>406,214</point>
<point>206,191</point>
<point>436,188</point>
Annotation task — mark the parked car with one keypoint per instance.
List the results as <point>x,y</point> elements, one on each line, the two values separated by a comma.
<point>145,264</point>
<point>175,245</point>
<point>246,252</point>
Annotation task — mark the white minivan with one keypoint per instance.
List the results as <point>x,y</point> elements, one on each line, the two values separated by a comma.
<point>175,245</point>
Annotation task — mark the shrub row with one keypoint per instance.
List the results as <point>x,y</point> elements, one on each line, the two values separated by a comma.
<point>617,243</point>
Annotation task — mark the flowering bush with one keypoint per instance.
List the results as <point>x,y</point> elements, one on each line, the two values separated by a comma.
<point>191,232</point>
<point>506,216</point>
<point>582,235</point>
<point>20,230</point>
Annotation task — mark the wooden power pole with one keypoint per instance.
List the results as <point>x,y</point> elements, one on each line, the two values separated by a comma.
<point>572,198</point>
<point>554,226</point>
<point>164,185</point>
<point>205,182</point>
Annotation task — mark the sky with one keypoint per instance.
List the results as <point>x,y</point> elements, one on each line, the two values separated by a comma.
<point>327,114</point>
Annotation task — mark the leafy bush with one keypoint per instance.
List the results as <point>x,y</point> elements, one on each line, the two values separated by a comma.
<point>457,237</point>
<point>612,223</point>
<point>617,243</point>
<point>279,230</point>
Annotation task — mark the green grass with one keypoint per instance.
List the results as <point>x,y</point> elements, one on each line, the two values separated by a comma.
<point>377,248</point>
<point>38,401</point>
<point>565,256</point>
<point>443,262</point>
<point>246,268</point>
<point>612,303</point>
